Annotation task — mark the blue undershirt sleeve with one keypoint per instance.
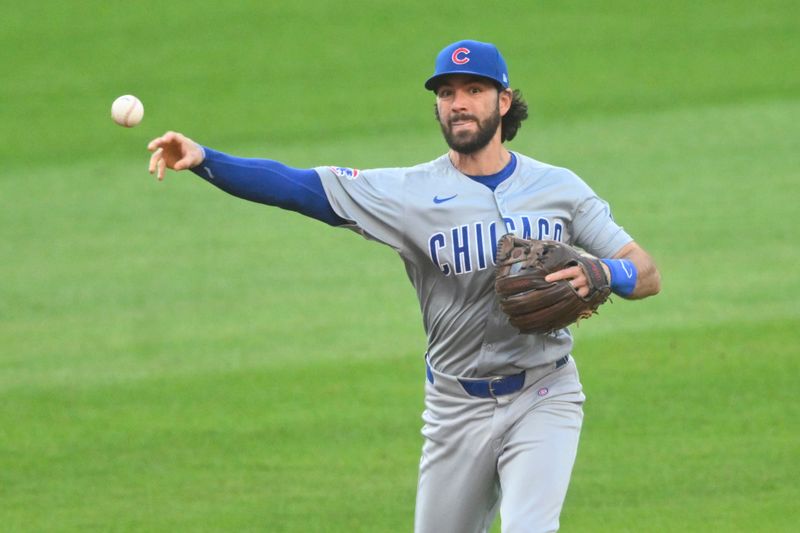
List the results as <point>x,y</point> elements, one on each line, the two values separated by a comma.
<point>269,182</point>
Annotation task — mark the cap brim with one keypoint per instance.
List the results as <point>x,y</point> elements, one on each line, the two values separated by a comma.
<point>433,81</point>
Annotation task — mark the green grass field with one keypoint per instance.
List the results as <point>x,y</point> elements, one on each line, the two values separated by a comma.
<point>171,359</point>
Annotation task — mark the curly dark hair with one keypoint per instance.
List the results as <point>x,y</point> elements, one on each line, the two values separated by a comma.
<point>512,120</point>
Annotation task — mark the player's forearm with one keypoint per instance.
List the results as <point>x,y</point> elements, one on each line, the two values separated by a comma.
<point>268,182</point>
<point>648,278</point>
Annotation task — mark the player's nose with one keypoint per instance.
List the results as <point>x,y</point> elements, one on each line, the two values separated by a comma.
<point>459,100</point>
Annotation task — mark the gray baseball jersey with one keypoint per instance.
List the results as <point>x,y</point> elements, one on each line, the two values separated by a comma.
<point>445,226</point>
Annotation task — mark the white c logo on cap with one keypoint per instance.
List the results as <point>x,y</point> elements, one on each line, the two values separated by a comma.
<point>459,56</point>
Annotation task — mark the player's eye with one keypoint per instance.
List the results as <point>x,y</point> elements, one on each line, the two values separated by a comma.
<point>475,90</point>
<point>444,93</point>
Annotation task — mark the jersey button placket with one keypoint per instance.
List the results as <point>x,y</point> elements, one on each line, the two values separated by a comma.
<point>499,200</point>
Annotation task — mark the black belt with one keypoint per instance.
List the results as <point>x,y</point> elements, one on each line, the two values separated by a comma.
<point>497,386</point>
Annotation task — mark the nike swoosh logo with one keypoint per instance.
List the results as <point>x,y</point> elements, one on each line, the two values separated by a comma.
<point>628,273</point>
<point>438,200</point>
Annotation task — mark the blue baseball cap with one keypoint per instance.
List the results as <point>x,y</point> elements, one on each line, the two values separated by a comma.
<point>470,57</point>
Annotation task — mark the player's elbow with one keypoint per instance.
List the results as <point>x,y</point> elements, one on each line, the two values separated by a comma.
<point>656,283</point>
<point>652,285</point>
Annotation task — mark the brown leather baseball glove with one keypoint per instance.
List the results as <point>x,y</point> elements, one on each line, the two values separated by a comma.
<point>535,305</point>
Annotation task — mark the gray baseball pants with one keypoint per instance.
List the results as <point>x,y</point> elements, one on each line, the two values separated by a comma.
<point>513,451</point>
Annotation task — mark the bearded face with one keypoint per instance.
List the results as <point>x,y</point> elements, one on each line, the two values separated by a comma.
<point>467,133</point>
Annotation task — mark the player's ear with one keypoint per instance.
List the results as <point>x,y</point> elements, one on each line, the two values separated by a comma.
<point>504,99</point>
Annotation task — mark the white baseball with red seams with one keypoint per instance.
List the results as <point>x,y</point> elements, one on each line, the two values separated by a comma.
<point>127,111</point>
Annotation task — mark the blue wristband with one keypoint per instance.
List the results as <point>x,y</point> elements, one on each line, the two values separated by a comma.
<point>623,275</point>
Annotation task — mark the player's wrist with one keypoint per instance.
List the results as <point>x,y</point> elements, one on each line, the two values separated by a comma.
<point>606,271</point>
<point>622,277</point>
<point>201,155</point>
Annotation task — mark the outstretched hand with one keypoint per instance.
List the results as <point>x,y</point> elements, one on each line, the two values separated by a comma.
<point>173,150</point>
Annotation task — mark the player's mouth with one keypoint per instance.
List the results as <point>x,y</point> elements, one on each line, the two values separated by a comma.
<point>462,121</point>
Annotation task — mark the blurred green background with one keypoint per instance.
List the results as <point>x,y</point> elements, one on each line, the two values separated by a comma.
<point>174,359</point>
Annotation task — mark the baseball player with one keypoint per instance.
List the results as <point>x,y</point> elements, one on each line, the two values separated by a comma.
<point>503,410</point>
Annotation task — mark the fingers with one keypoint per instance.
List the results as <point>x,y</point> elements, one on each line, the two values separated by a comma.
<point>574,276</point>
<point>165,139</point>
<point>173,150</point>
<point>158,165</point>
<point>567,273</point>
<point>157,161</point>
<point>162,165</point>
<point>155,158</point>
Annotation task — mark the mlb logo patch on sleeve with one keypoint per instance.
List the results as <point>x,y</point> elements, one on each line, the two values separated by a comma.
<point>344,172</point>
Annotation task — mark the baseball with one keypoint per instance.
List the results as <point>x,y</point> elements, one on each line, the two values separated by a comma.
<point>127,111</point>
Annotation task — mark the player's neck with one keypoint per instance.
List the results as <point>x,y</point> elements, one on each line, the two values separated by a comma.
<point>489,160</point>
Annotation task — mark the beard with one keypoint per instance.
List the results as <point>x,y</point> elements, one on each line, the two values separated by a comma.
<point>469,142</point>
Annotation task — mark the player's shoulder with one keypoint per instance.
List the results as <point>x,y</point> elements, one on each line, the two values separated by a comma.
<point>437,167</point>
<point>544,174</point>
<point>539,169</point>
<point>401,175</point>
<point>385,173</point>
